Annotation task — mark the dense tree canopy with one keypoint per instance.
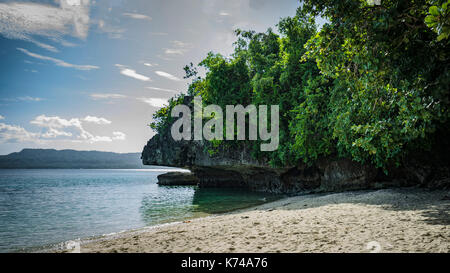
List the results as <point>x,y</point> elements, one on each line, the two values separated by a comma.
<point>371,84</point>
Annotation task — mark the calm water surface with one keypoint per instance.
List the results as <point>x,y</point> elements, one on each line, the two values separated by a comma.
<point>40,208</point>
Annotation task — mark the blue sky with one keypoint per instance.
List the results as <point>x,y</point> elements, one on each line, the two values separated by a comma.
<point>88,75</point>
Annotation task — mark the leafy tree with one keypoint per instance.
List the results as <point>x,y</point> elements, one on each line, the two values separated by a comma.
<point>162,118</point>
<point>371,85</point>
<point>438,18</point>
<point>391,76</point>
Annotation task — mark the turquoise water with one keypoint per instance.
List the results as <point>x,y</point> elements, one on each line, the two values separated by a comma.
<point>39,208</point>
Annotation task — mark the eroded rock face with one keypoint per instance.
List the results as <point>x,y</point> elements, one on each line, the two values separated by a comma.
<point>233,172</point>
<point>177,179</point>
<point>234,167</point>
<point>345,174</point>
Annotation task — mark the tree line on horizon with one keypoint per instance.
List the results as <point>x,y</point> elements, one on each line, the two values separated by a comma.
<point>372,84</point>
<point>70,159</point>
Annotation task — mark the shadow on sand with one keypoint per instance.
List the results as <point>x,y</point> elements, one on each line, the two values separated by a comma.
<point>433,204</point>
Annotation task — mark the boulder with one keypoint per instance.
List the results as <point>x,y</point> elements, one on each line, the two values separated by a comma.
<point>177,179</point>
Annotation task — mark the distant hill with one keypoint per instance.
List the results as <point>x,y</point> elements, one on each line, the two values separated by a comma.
<point>70,159</point>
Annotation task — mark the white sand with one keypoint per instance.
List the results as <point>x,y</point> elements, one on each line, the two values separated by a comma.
<point>399,220</point>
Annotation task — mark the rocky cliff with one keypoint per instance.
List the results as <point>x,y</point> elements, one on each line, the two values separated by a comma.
<point>234,167</point>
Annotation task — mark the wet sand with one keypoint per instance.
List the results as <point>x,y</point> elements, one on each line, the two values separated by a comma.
<point>389,220</point>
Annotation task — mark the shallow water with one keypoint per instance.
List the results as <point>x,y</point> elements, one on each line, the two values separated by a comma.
<point>44,207</point>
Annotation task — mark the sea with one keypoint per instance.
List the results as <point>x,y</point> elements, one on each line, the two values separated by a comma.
<point>41,209</point>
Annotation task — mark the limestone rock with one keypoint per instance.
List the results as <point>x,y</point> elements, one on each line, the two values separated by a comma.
<point>177,179</point>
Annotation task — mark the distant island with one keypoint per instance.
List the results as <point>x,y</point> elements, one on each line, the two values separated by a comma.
<point>70,159</point>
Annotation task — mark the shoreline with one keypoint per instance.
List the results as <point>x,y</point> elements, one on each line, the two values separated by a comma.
<point>388,220</point>
<point>61,247</point>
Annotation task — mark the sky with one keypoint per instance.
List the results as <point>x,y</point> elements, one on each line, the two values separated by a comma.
<point>88,75</point>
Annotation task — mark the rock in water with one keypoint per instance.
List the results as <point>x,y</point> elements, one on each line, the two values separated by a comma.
<point>177,179</point>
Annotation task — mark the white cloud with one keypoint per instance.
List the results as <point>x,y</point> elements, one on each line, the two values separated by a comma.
<point>70,129</point>
<point>150,64</point>
<point>178,48</point>
<point>43,45</point>
<point>100,139</point>
<point>173,51</point>
<point>137,16</point>
<point>57,61</point>
<point>12,133</point>
<point>24,98</point>
<point>23,21</point>
<point>181,44</point>
<point>97,96</point>
<point>223,13</point>
<point>132,73</point>
<point>160,89</point>
<point>167,75</point>
<point>96,120</point>
<point>63,42</point>
<point>28,98</point>
<point>154,102</point>
<point>32,70</point>
<point>56,122</point>
<point>164,58</point>
<point>119,136</point>
<point>2,117</point>
<point>112,31</point>
<point>54,133</point>
<point>73,2</point>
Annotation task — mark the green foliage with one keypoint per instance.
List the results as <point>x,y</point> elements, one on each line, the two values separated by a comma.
<point>227,81</point>
<point>438,18</point>
<point>372,84</point>
<point>390,76</point>
<point>310,127</point>
<point>162,117</point>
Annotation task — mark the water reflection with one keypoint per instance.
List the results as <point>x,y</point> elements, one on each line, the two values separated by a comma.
<point>219,200</point>
<point>169,203</point>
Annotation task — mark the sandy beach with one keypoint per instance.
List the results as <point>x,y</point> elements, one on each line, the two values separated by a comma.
<point>388,220</point>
